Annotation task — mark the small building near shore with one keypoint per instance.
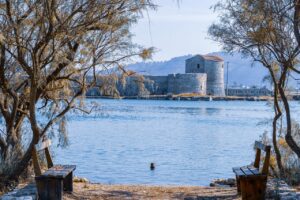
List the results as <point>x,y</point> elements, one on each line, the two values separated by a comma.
<point>248,91</point>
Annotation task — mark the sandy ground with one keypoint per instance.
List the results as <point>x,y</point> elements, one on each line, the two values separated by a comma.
<point>87,191</point>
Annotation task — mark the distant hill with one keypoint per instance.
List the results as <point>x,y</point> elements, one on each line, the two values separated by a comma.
<point>241,70</point>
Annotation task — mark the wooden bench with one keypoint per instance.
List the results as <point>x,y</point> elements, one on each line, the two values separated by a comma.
<point>56,179</point>
<point>252,179</point>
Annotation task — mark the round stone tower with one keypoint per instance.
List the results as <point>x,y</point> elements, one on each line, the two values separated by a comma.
<point>213,66</point>
<point>187,83</point>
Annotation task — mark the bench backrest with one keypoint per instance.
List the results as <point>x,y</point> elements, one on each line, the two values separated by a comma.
<point>44,146</point>
<point>261,147</point>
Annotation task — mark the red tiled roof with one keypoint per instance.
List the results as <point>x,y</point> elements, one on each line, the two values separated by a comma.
<point>212,58</point>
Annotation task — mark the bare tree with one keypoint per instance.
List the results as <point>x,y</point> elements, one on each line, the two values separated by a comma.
<point>264,31</point>
<point>48,48</point>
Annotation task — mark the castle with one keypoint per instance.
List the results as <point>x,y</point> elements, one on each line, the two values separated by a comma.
<point>204,75</point>
<point>213,68</point>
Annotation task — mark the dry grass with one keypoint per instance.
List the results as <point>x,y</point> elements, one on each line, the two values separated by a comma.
<point>189,95</point>
<point>86,191</point>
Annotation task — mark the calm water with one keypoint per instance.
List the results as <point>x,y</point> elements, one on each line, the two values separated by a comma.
<point>190,142</point>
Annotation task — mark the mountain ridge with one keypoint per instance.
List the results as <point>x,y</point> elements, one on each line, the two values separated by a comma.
<point>241,70</point>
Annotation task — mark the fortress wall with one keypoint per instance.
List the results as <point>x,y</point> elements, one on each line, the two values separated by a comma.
<point>215,78</point>
<point>154,85</point>
<point>187,83</point>
<point>157,85</point>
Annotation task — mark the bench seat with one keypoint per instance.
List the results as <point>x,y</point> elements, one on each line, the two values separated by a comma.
<point>58,171</point>
<point>251,179</point>
<point>54,181</point>
<point>248,171</point>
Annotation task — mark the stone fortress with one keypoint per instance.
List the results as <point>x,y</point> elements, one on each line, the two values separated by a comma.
<point>204,75</point>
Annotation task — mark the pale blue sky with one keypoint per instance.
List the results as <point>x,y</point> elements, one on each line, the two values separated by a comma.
<point>177,30</point>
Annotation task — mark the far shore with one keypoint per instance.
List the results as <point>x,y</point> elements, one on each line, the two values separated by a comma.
<point>190,98</point>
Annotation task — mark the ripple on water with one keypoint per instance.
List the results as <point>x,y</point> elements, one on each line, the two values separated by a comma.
<point>190,142</point>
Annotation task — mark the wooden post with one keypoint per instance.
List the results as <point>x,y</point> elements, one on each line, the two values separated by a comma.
<point>36,165</point>
<point>68,182</point>
<point>238,184</point>
<point>48,157</point>
<point>265,168</point>
<point>253,189</point>
<point>49,188</point>
<point>257,158</point>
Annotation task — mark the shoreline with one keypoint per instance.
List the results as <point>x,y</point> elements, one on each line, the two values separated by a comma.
<point>83,189</point>
<point>187,98</point>
<point>98,191</point>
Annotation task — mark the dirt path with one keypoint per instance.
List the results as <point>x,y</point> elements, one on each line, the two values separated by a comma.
<point>85,191</point>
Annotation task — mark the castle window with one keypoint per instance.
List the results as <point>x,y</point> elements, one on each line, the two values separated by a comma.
<point>198,66</point>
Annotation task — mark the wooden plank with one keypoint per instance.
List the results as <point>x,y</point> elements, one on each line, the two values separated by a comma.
<point>259,145</point>
<point>235,169</point>
<point>65,167</point>
<point>246,171</point>
<point>54,174</point>
<point>251,173</point>
<point>239,172</point>
<point>45,144</point>
<point>59,171</point>
<point>253,169</point>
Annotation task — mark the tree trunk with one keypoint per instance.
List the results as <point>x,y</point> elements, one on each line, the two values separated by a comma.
<point>278,114</point>
<point>297,21</point>
<point>288,137</point>
<point>21,166</point>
